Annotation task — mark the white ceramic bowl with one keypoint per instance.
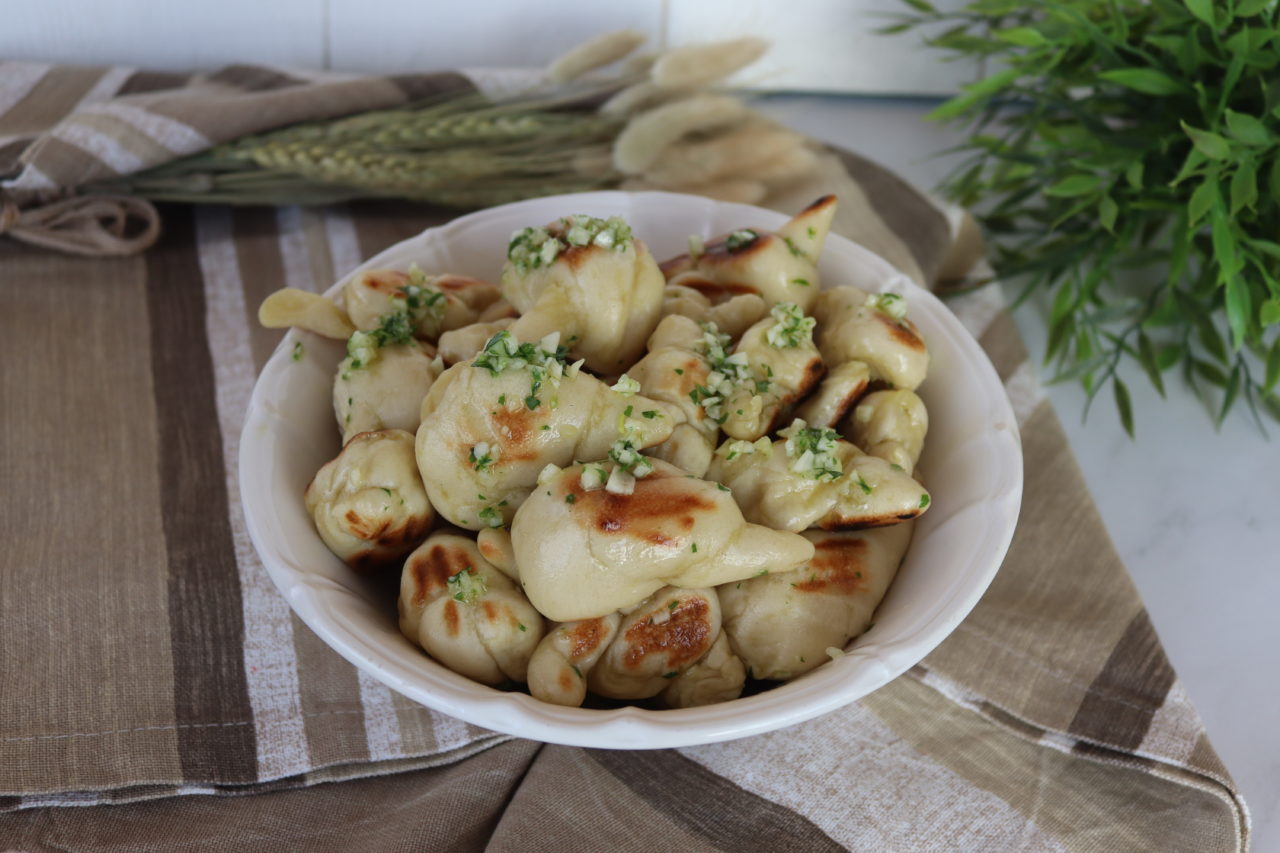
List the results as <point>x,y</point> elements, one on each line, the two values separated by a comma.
<point>972,463</point>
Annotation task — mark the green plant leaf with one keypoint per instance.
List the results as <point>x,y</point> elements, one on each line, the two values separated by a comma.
<point>1123,404</point>
<point>1071,186</point>
<point>1266,246</point>
<point>1147,359</point>
<point>1244,187</point>
<point>1202,201</point>
<point>1148,81</point>
<point>1269,313</point>
<point>1229,395</point>
<point>1210,372</point>
<point>1108,210</point>
<point>1133,174</point>
<point>1195,159</point>
<point>921,6</point>
<point>1273,367</point>
<point>974,93</point>
<point>1225,252</point>
<point>1202,9</point>
<point>1247,129</point>
<point>1249,8</point>
<point>1238,309</point>
<point>1022,36</point>
<point>1208,143</point>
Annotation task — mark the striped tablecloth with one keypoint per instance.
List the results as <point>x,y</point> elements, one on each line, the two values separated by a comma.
<point>149,670</point>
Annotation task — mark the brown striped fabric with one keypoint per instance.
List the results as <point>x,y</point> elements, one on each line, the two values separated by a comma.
<point>152,677</point>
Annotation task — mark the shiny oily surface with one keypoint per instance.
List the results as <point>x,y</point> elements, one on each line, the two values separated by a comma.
<point>972,463</point>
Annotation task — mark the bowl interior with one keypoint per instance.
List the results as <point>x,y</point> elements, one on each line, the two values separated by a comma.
<point>972,464</point>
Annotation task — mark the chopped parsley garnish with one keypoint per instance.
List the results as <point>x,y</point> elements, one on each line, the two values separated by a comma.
<point>576,670</point>
<point>521,626</point>
<point>803,282</point>
<point>890,304</point>
<point>483,456</point>
<point>492,515</point>
<point>812,451</point>
<point>467,586</point>
<point>679,371</point>
<point>650,414</point>
<point>866,487</point>
<point>791,327</point>
<point>592,477</point>
<point>544,360</point>
<point>728,371</point>
<point>739,447</point>
<point>410,307</point>
<point>722,487</point>
<point>297,351</point>
<point>694,548</point>
<point>740,239</point>
<point>533,248</point>
<point>628,458</point>
<point>924,501</point>
<point>570,498</point>
<point>795,250</point>
<point>672,674</point>
<point>673,604</point>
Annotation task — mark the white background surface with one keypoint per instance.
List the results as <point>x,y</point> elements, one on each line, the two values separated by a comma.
<point>1191,510</point>
<point>818,45</point>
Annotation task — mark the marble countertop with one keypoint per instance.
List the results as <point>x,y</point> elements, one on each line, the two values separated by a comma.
<point>1191,509</point>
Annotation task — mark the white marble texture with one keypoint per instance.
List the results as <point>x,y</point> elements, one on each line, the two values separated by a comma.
<point>1191,510</point>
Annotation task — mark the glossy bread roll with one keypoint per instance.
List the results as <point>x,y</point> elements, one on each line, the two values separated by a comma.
<point>588,552</point>
<point>559,666</point>
<point>465,613</point>
<point>368,503</point>
<point>836,488</point>
<point>441,303</point>
<point>836,396</point>
<point>718,677</point>
<point>891,425</point>
<point>386,394</point>
<point>670,373</point>
<point>781,624</point>
<point>733,316</point>
<point>781,266</point>
<point>666,634</point>
<point>854,325</point>
<point>784,367</point>
<point>591,281</point>
<point>481,446</point>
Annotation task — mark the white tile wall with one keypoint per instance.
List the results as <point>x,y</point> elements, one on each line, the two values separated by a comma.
<point>817,45</point>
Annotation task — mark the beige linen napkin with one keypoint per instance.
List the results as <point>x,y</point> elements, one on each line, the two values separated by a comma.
<point>145,654</point>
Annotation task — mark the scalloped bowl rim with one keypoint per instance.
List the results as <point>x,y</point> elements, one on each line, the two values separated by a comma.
<point>973,534</point>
